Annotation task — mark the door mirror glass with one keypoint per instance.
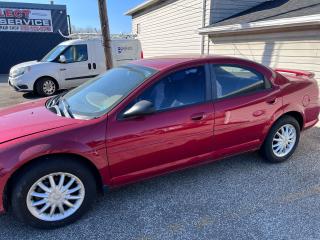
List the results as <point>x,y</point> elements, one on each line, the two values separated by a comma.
<point>141,108</point>
<point>62,59</point>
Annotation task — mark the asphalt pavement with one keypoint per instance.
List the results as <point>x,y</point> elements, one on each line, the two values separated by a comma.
<point>236,198</point>
<point>9,97</point>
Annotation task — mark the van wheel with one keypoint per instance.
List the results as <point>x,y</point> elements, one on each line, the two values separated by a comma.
<point>282,140</point>
<point>46,87</point>
<point>53,193</point>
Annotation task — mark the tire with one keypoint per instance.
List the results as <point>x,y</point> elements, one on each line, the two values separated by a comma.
<point>46,87</point>
<point>273,141</point>
<point>22,199</point>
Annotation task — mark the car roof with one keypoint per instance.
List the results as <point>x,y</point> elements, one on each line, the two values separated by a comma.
<point>164,62</point>
<point>79,41</point>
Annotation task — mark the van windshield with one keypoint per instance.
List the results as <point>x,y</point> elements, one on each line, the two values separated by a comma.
<point>54,53</point>
<point>99,95</point>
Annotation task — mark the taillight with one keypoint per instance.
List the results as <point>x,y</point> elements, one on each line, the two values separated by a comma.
<point>141,54</point>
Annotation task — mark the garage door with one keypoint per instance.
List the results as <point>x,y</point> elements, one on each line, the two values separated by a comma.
<point>295,50</point>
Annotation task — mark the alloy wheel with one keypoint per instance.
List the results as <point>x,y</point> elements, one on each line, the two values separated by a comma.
<point>284,140</point>
<point>55,196</point>
<point>49,87</point>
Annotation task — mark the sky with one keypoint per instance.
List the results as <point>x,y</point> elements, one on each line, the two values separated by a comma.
<point>84,13</point>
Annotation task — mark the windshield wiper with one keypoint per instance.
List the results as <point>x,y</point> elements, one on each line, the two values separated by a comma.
<point>66,108</point>
<point>53,104</point>
<point>54,100</point>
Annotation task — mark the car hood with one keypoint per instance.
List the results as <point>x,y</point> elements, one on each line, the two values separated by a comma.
<point>27,119</point>
<point>26,64</point>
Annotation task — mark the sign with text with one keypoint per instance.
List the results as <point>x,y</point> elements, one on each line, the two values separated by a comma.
<point>25,20</point>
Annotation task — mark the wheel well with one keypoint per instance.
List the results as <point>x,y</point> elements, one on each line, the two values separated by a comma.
<point>73,157</point>
<point>298,116</point>
<point>55,81</point>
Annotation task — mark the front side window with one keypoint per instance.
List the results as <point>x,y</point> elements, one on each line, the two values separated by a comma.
<point>181,88</point>
<point>76,53</point>
<point>234,80</point>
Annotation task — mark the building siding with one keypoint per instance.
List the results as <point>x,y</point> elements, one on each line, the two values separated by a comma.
<point>170,28</point>
<point>295,50</point>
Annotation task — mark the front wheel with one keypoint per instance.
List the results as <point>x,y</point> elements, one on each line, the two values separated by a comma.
<point>53,193</point>
<point>46,87</point>
<point>282,140</point>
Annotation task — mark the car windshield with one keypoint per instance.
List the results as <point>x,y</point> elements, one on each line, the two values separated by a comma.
<point>99,95</point>
<point>54,53</point>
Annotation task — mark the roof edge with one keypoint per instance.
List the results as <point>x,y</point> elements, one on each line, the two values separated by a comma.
<point>268,24</point>
<point>141,6</point>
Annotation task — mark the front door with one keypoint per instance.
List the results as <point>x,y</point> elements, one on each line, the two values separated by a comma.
<point>77,67</point>
<point>179,133</point>
<point>244,106</point>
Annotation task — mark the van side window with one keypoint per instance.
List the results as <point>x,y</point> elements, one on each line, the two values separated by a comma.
<point>181,88</point>
<point>235,80</point>
<point>76,53</point>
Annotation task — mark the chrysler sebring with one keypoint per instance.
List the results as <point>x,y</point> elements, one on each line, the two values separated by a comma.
<point>144,119</point>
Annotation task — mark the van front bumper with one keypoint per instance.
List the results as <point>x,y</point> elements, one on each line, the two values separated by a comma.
<point>19,85</point>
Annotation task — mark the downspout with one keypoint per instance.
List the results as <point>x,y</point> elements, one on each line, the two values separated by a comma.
<point>204,8</point>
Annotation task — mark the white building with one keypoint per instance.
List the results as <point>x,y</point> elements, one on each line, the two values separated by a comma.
<point>278,33</point>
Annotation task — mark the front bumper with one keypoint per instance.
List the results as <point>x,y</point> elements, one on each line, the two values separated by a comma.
<point>19,85</point>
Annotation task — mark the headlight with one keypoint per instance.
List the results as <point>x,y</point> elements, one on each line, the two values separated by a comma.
<point>19,71</point>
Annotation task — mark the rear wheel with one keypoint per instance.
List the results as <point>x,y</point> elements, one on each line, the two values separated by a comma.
<point>282,140</point>
<point>46,87</point>
<point>53,193</point>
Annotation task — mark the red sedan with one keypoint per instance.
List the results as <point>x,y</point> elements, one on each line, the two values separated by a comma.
<point>141,120</point>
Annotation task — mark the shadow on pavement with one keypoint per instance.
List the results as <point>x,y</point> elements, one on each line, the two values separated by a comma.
<point>31,96</point>
<point>34,96</point>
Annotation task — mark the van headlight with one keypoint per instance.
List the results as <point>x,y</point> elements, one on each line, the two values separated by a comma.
<point>19,71</point>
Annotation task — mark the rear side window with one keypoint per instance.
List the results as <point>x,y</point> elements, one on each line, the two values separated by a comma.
<point>181,88</point>
<point>234,80</point>
<point>76,53</point>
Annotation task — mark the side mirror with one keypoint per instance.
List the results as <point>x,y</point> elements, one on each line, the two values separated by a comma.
<point>62,59</point>
<point>141,108</point>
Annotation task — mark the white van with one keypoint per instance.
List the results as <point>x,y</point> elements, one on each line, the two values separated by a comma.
<point>70,64</point>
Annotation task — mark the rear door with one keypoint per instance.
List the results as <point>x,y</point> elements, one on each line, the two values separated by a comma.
<point>125,51</point>
<point>244,106</point>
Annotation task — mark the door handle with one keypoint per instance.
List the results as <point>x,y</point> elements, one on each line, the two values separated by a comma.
<point>197,116</point>
<point>89,66</point>
<point>272,100</point>
<point>94,66</point>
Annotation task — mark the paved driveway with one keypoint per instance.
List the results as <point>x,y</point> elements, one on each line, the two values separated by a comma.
<point>9,97</point>
<point>236,198</point>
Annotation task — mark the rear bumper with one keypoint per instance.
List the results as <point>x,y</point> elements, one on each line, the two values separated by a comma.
<point>311,124</point>
<point>315,112</point>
